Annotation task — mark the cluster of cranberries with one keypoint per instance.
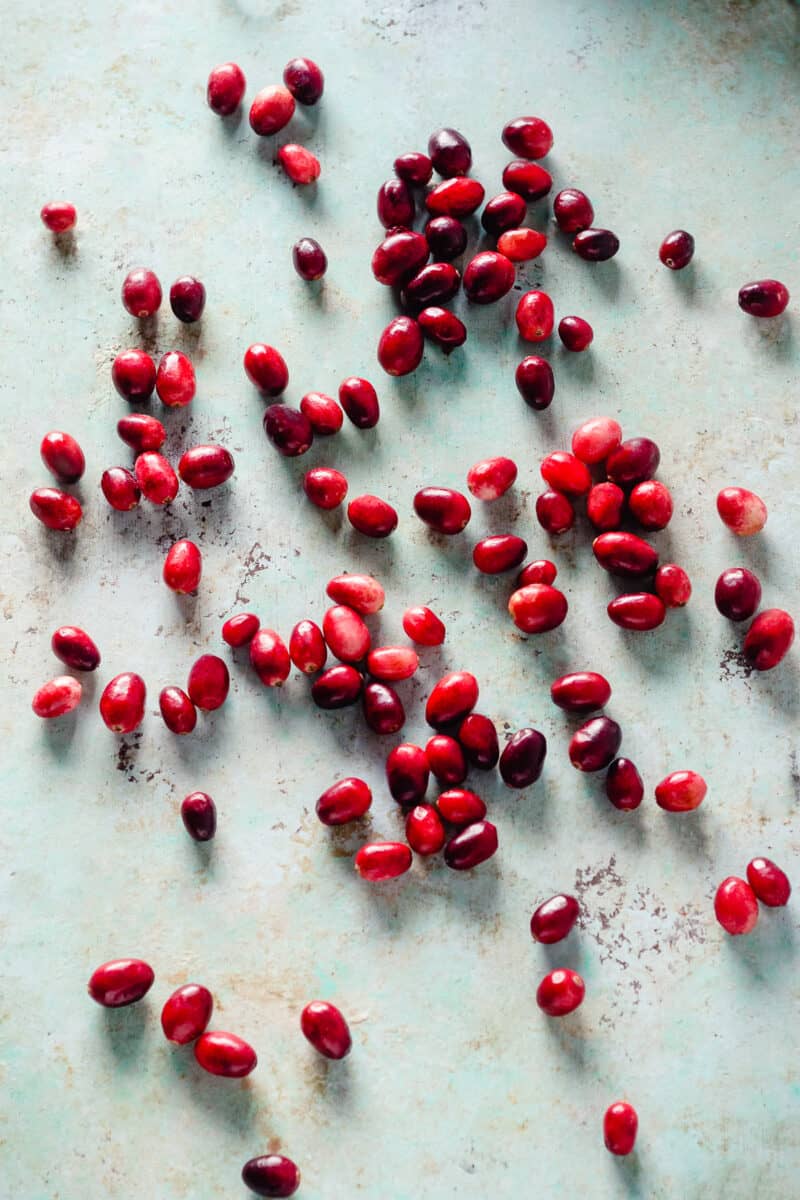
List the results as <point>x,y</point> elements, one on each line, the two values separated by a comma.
<point>736,900</point>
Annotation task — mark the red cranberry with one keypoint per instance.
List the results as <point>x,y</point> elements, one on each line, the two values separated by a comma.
<point>736,906</point>
<point>225,1054</point>
<point>361,592</point>
<point>141,293</point>
<point>737,594</point>
<point>122,702</point>
<point>400,346</point>
<point>178,712</point>
<point>120,982</point>
<point>681,791</point>
<point>55,509</point>
<point>446,237</point>
<point>500,553</point>
<point>310,260</point>
<point>383,708</point>
<point>407,773</point>
<point>133,374</point>
<point>443,327</point>
<point>595,744</point>
<point>768,882</point>
<point>288,429</point>
<point>62,456</point>
<point>453,697</point>
<point>554,512</point>
<point>595,245</point>
<point>651,504</point>
<point>323,413</point>
<point>346,633</point>
<point>271,1175</point>
<point>325,487</point>
<point>59,216</point>
<point>423,626</point>
<point>676,250</point>
<point>390,663</point>
<point>580,691</point>
<point>305,81</point>
<point>359,400</point>
<point>540,571</point>
<point>155,477</point>
<point>183,567</point>
<point>446,759</point>
<point>239,630</point>
<point>573,210</point>
<point>535,383</point>
<point>633,461</point>
<point>186,1013</point>
<point>326,1029</point>
<point>521,245</point>
<point>444,510</point>
<point>455,198</point>
<point>208,683</point>
<point>383,860</point>
<point>266,369</point>
<point>488,276</point>
<point>271,110</point>
<point>372,516</point>
<point>560,993</point>
<point>503,212</point>
<point>141,432</point>
<point>338,687</point>
<point>673,585</point>
<point>620,1124</point>
<point>605,505</point>
<point>491,478</point>
<point>554,919</point>
<point>120,488</point>
<point>307,648</point>
<point>57,697</point>
<point>269,658</point>
<point>75,648</point>
<point>766,298</point>
<point>742,511</point>
<point>399,256</point>
<point>413,167</point>
<point>225,89</point>
<point>395,204</point>
<point>523,758</point>
<point>768,639</point>
<point>624,554</point>
<point>300,164</point>
<point>175,381</point>
<point>528,137</point>
<point>534,316</point>
<point>187,298</point>
<point>575,333</point>
<point>472,846</point>
<point>345,801</point>
<point>537,608</point>
<point>424,830</point>
<point>435,284</point>
<point>595,439</point>
<point>478,736</point>
<point>566,473</point>
<point>624,786</point>
<point>459,806</point>
<point>204,467</point>
<point>528,179</point>
<point>449,153</point>
<point>199,816</point>
<point>638,611</point>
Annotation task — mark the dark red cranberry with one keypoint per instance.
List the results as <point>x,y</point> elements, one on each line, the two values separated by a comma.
<point>269,658</point>
<point>523,758</point>
<point>459,806</point>
<point>395,204</point>
<point>401,345</point>
<point>359,400</point>
<point>183,567</point>
<point>266,369</point>
<point>554,919</point>
<point>383,708</point>
<point>580,691</point>
<point>443,509</point>
<point>204,467</point>
<point>413,167</point>
<point>186,1013</point>
<point>120,982</point>
<point>575,333</point>
<point>736,906</point>
<point>199,816</point>
<point>309,259</point>
<point>187,298</point>
<point>540,571</point>
<point>423,626</point>
<point>650,503</point>
<point>122,702</point>
<point>676,250</point>
<point>595,245</point>
<point>133,374</point>
<point>528,179</point>
<point>399,256</point>
<point>391,663</point>
<point>271,110</point>
<point>605,505</point>
<point>446,759</point>
<point>225,1054</point>
<point>633,461</point>
<point>455,198</point>
<point>594,440</point>
<point>288,429</point>
<point>271,1175</point>
<point>307,648</point>
<point>304,80</point>
<point>178,712</point>
<point>528,137</point>
<point>424,830</point>
<point>55,509</point>
<point>595,744</point>
<point>378,861</point>
<point>436,283</point>
<point>443,327</point>
<point>491,478</point>
<point>407,773</point>
<point>768,639</point>
<point>502,552</point>
<point>488,277</point>
<point>141,292</point>
<point>503,212</point>
<point>554,512</point>
<point>62,456</point>
<point>560,993</point>
<point>449,152</point>
<point>209,682</point>
<point>535,382</point>
<point>742,511</point>
<point>766,298</point>
<point>624,786</point>
<point>673,585</point>
<point>325,487</point>
<point>681,791</point>
<point>338,687</point>
<point>240,629</point>
<point>620,1124</point>
<point>299,164</point>
<point>478,736</point>
<point>565,472</point>
<point>326,1029</point>
<point>471,846</point>
<point>345,801</point>
<point>75,648</point>
<point>573,210</point>
<point>769,882</point>
<point>637,611</point>
<point>225,89</point>
<point>361,592</point>
<point>141,432</point>
<point>346,634</point>
<point>59,216</point>
<point>324,414</point>
<point>534,316</point>
<point>446,237</point>
<point>737,594</point>
<point>537,608</point>
<point>57,697</point>
<point>453,697</point>
<point>624,554</point>
<point>372,516</point>
<point>521,245</point>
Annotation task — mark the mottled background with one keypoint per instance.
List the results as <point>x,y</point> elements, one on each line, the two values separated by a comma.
<point>681,114</point>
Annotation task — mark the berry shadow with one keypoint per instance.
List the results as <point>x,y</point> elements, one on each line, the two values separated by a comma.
<point>571,1037</point>
<point>628,1173</point>
<point>330,1079</point>
<point>58,733</point>
<point>125,1030</point>
<point>608,278</point>
<point>234,1102</point>
<point>768,954</point>
<point>689,283</point>
<point>65,247</point>
<point>689,833</point>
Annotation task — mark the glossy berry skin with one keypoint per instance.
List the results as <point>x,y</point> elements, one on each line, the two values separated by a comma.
<point>503,212</point>
<point>595,744</point>
<point>624,554</point>
<point>62,456</point>
<point>681,791</point>
<point>225,89</point>
<point>300,164</point>
<point>395,204</point>
<point>209,682</point>
<point>637,611</point>
<point>566,473</point>
<point>272,109</point>
<point>742,511</point>
<point>401,346</point>
<point>540,571</point>
<point>175,380</point>
<point>361,592</point>
<point>446,237</point>
<point>177,710</point>
<point>225,1054</point>
<point>452,699</point>
<point>359,400</point>
<point>769,882</point>
<point>624,786</point>
<point>737,594</point>
<point>391,663</point>
<point>535,316</point>
<point>736,906</point>
<point>271,1175</point>
<point>269,658</point>
<point>58,216</point>
<point>502,552</point>
<point>407,773</point>
<point>204,467</point>
<point>535,383</point>
<point>288,429</point>
<point>141,432</point>
<point>560,993</point>
<point>595,439</point>
<point>309,259</point>
<point>449,152</point>
<point>521,245</point>
<point>133,374</point>
<point>633,461</point>
<point>471,847</point>
<point>554,512</point>
<point>554,919</point>
<point>478,736</point>
<point>141,293</point>
<point>325,487</point>
<point>459,806</point>
<point>537,608</point>
<point>57,697</point>
<point>442,509</point>
<point>343,802</point>
<point>523,758</point>
<point>413,167</point>
<point>528,137</point>
<point>383,709</point>
<point>199,816</point>
<point>768,639</point>
<point>240,629</point>
<point>605,506</point>
<point>580,691</point>
<point>183,567</point>
<point>528,179</point>
<point>650,503</point>
<point>673,585</point>
<point>120,982</point>
<point>424,830</point>
<point>399,256</point>
<point>677,250</point>
<point>443,327</point>
<point>620,1124</point>
<point>55,509</point>
<point>187,299</point>
<point>326,1029</point>
<point>595,245</point>
<point>186,1013</point>
<point>120,488</point>
<point>156,477</point>
<point>307,648</point>
<point>304,80</point>
<point>573,211</point>
<point>346,634</point>
<point>122,702</point>
<point>435,284</point>
<point>765,298</point>
<point>575,333</point>
<point>323,413</point>
<point>378,861</point>
<point>266,369</point>
<point>423,626</point>
<point>446,759</point>
<point>488,277</point>
<point>338,687</point>
<point>455,198</point>
<point>491,478</point>
<point>75,648</point>
<point>372,516</point>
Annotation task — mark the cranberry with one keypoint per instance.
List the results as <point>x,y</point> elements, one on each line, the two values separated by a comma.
<point>269,658</point>
<point>595,744</point>
<point>554,919</point>
<point>768,882</point>
<point>407,773</point>
<point>413,167</point>
<point>575,333</point>
<point>346,633</point>
<point>766,298</point>
<point>453,697</point>
<point>580,691</point>
<point>338,687</point>
<point>75,648</point>
<point>390,663</point>
<point>225,1054</point>
<point>187,298</point>
<point>472,846</point>
<point>239,630</point>
<point>133,374</point>
<point>676,250</point>
<point>186,1013</point>
<point>326,1029</point>
<point>488,276</point>
<point>566,473</point>
<point>400,346</point>
<point>537,608</point>
<point>535,383</point>
<point>399,256</point>
<point>435,284</point>
<point>59,215</point>
<point>651,504</point>
<point>528,137</point>
<point>560,993</point>
<point>423,626</point>
<point>383,708</point>
<point>554,512</point>
<point>534,316</point>
<point>271,110</point>
<point>395,204</point>
<point>300,164</point>
<point>175,380</point>
<point>639,611</point>
<point>595,439</point>
<point>673,585</point>
<point>55,509</point>
<point>288,429</point>
<point>309,259</point>
<point>503,552</point>
<point>225,89</point>
<point>624,786</point>
<point>183,567</point>
<point>528,179</point>
<point>595,245</point>
<point>737,594</point>
<point>141,432</point>
<point>444,510</point>
<point>633,461</point>
<point>502,213</point>
<point>323,413</point>
<point>540,571</point>
<point>383,860</point>
<point>446,237</point>
<point>449,152</point>
<point>361,592</point>
<point>204,467</point>
<point>742,511</point>
<point>266,369</point>
<point>736,906</point>
<point>620,1124</point>
<point>120,488</point>
<point>478,736</point>
<point>372,516</point>
<point>208,683</point>
<point>521,245</point>
<point>446,759</point>
<point>573,210</point>
<point>768,639</point>
<point>605,505</point>
<point>271,1175</point>
<point>443,327</point>
<point>122,702</point>
<point>199,816</point>
<point>455,198</point>
<point>359,400</point>
<point>177,710</point>
<point>141,293</point>
<point>681,791</point>
<point>459,806</point>
<point>624,554</point>
<point>424,830</point>
<point>491,478</point>
<point>325,487</point>
<point>62,456</point>
<point>120,982</point>
<point>57,697</point>
<point>155,477</point>
<point>345,801</point>
<point>305,81</point>
<point>307,648</point>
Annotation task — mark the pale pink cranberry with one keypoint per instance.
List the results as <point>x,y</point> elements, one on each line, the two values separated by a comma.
<point>183,567</point>
<point>491,478</point>
<point>133,374</point>
<point>57,697</point>
<point>175,381</point>
<point>560,993</point>
<point>177,710</point>
<point>650,503</point>
<point>307,648</point>
<point>736,906</point>
<point>270,658</point>
<point>742,511</point>
<point>372,516</point>
<point>300,164</point>
<point>595,439</point>
<point>156,478</point>
<point>186,1013</point>
<point>323,413</point>
<point>361,592</point>
<point>346,634</point>
<point>535,316</point>
<point>304,80</point>
<point>424,830</point>
<point>620,1125</point>
<point>769,882</point>
<point>141,432</point>
<point>55,509</point>
<point>225,1054</point>
<point>62,456</point>
<point>566,473</point>
<point>768,639</point>
<point>266,369</point>
<point>537,608</point>
<point>325,487</point>
<point>75,648</point>
<point>575,333</point>
<point>225,89</point>
<point>528,137</point>
<point>272,109</point>
<point>122,702</point>
<point>423,626</point>
<point>141,292</point>
<point>673,585</point>
<point>326,1029</point>
<point>120,488</point>
<point>521,245</point>
<point>120,982</point>
<point>637,611</point>
<point>681,791</point>
<point>240,629</point>
<point>390,663</point>
<point>209,682</point>
<point>343,802</point>
<point>452,698</point>
<point>203,467</point>
<point>605,505</point>
<point>378,861</point>
<point>59,216</point>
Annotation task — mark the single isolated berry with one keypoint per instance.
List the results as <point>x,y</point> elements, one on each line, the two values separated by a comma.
<point>225,89</point>
<point>676,250</point>
<point>59,216</point>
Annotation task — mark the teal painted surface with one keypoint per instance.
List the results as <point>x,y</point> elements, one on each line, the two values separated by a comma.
<point>679,115</point>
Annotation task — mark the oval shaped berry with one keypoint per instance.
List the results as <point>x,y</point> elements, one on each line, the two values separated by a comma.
<point>576,334</point>
<point>270,658</point>
<point>141,292</point>
<point>209,682</point>
<point>325,487</point>
<point>407,773</point>
<point>620,1124</point>
<point>471,846</point>
<point>765,298</point>
<point>624,554</point>
<point>323,413</point>
<point>456,197</point>
<point>141,432</point>
<point>378,861</point>
<point>768,639</point>
<point>449,152</point>
<point>346,634</point>
<point>560,993</point>
<point>737,594</point>
<point>203,467</point>
<point>299,163</point>
<point>175,380</point>
<point>523,758</point>
<point>401,346</point>
<point>120,982</point>
<point>595,245</point>
<point>307,648</point>
<point>58,215</point>
<point>435,284</point>
<point>423,626</point>
<point>183,567</point>
<point>535,316</point>
<point>580,691</point>
<point>383,708</point>
<point>554,919</point>
<point>445,757</point>
<point>595,439</point>
<point>453,697</point>
<point>595,744</point>
<point>337,687</point>
<point>359,400</point>
<point>399,256</point>
<point>345,801</point>
<point>554,512</point>
<point>272,110</point>
<point>413,167</point>
<point>271,1175</point>
<point>304,79</point>
<point>637,611</point>
<point>650,503</point>
<point>56,509</point>
<point>391,663</point>
<point>500,553</point>
<point>288,429</point>
<point>187,298</point>
<point>225,89</point>
<point>446,237</point>
<point>491,478</point>
<point>122,702</point>
<point>360,592</point>
<point>769,882</point>
<point>528,179</point>
<point>443,509</point>
<point>624,786</point>
<point>266,369</point>
<point>310,261</point>
<point>633,461</point>
<point>225,1054</point>
<point>460,806</point>
<point>62,456</point>
<point>535,382</point>
<point>503,212</point>
<point>736,906</point>
<point>673,585</point>
<point>57,697</point>
<point>156,478</point>
<point>521,245</point>
<point>326,1029</point>
<point>605,506</point>
<point>681,791</point>
<point>488,277</point>
<point>573,210</point>
<point>537,608</point>
<point>186,1013</point>
<point>677,250</point>
<point>540,571</point>
<point>120,488</point>
<point>424,830</point>
<point>240,629</point>
<point>177,710</point>
<point>478,735</point>
<point>528,137</point>
<point>443,327</point>
<point>75,648</point>
<point>199,816</point>
<point>742,511</point>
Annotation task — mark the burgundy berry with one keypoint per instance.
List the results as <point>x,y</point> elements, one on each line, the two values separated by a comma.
<point>595,439</point>
<point>535,316</point>
<point>372,516</point>
<point>554,512</point>
<point>769,882</point>
<point>271,110</point>
<point>523,758</point>
<point>57,697</point>
<point>304,80</point>
<point>399,256</point>
<point>199,816</point>
<point>383,708</point>
<point>271,1175</point>
<point>488,277</point>
<point>59,215</point>
<point>156,478</point>
<point>133,374</point>
<point>595,744</point>
<point>343,802</point>
<point>141,292</point>
<point>288,429</point>
<point>413,167</point>
<point>535,383</point>
<point>204,467</point>
<point>478,736</point>
<point>521,245</point>
<point>633,461</point>
<point>455,198</point>
<point>540,571</point>
<point>55,509</point>
<point>575,333</point>
<point>75,648</point>
<point>528,137</point>
<point>378,861</point>
<point>407,773</point>
<point>346,634</point>
<point>471,847</point>
<point>459,807</point>
<point>299,164</point>
<point>673,585</point>
<point>580,691</point>
<point>177,710</point>
<point>737,594</point>
<point>742,511</point>
<point>323,413</point>
<point>564,471</point>
<point>400,347</point>
<point>186,1013</point>
<point>326,1029</point>
<point>491,478</point>
<point>736,906</point>
<point>391,663</point>
<point>307,648</point>
<point>449,152</point>
<point>423,626</point>
<point>436,283</point>
<point>503,212</point>
<point>175,381</point>
<point>225,1054</point>
<point>637,611</point>
<point>183,567</point>
<point>624,554</point>
<point>120,488</point>
<point>122,702</point>
<point>453,698</point>
<point>338,687</point>
<point>325,487</point>
<point>560,993</point>
<point>624,786</point>
<point>595,245</point>
<point>361,592</point>
<point>766,298</point>
<point>537,608</point>
<point>446,760</point>
<point>768,639</point>
<point>359,400</point>
<point>309,259</point>
<point>209,682</point>
<point>424,830</point>
<point>500,553</point>
<point>443,327</point>
<point>573,210</point>
<point>187,298</point>
<point>121,982</point>
<point>620,1124</point>
<point>681,791</point>
<point>676,250</point>
<point>266,369</point>
<point>269,658</point>
<point>554,919</point>
<point>446,237</point>
<point>442,509</point>
<point>605,506</point>
<point>62,456</point>
<point>225,89</point>
<point>528,179</point>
